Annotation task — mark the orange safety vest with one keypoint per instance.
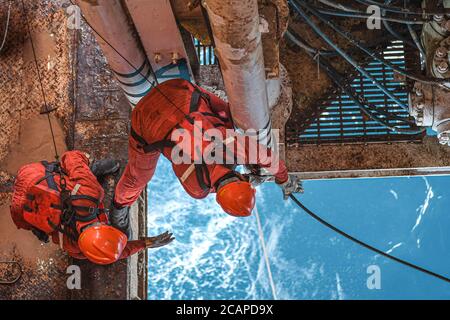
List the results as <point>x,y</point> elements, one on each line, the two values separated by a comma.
<point>49,211</point>
<point>163,117</point>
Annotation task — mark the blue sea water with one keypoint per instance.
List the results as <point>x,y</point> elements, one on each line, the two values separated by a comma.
<point>216,256</point>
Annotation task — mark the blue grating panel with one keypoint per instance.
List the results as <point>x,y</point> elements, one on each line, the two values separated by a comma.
<point>339,120</point>
<point>205,53</point>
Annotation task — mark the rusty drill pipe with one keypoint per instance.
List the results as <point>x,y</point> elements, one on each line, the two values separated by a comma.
<point>235,26</point>
<point>109,19</point>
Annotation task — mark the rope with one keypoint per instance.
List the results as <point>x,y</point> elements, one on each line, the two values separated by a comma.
<point>47,111</point>
<point>19,274</point>
<point>6,27</point>
<point>265,253</point>
<point>365,245</point>
<point>152,83</point>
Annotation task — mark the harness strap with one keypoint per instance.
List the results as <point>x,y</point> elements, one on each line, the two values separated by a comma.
<point>229,175</point>
<point>195,104</point>
<point>50,169</point>
<point>151,147</point>
<point>202,172</point>
<point>195,100</point>
<point>93,212</point>
<point>84,197</point>
<point>70,234</point>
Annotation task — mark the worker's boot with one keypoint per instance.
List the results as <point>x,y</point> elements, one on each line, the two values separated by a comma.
<point>105,167</point>
<point>120,219</point>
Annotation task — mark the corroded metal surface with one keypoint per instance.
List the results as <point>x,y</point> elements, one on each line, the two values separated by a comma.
<point>20,95</point>
<point>374,160</point>
<point>20,99</point>
<point>100,128</point>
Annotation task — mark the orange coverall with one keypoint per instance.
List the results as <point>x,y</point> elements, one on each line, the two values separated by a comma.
<point>154,118</point>
<point>76,165</point>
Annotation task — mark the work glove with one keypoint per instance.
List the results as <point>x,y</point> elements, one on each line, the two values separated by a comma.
<point>255,175</point>
<point>158,241</point>
<point>292,185</point>
<point>257,180</point>
<point>120,219</point>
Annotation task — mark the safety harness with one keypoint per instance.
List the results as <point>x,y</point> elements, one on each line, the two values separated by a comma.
<point>201,169</point>
<point>69,212</point>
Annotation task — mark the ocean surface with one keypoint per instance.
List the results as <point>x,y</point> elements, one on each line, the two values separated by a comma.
<point>216,256</point>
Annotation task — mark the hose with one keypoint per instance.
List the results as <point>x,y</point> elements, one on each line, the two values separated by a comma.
<point>393,32</point>
<point>401,10</point>
<point>338,6</point>
<point>339,81</point>
<point>297,40</point>
<point>359,45</point>
<point>365,245</point>
<point>365,16</point>
<point>419,46</point>
<point>296,5</point>
<point>357,99</point>
<point>6,27</point>
<point>19,275</point>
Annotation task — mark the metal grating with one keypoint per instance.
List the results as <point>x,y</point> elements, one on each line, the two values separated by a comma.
<point>339,120</point>
<point>205,53</point>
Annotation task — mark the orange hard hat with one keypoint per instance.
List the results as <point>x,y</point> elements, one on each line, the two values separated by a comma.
<point>102,244</point>
<point>237,198</point>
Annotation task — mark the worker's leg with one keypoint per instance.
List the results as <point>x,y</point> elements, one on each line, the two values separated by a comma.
<point>105,167</point>
<point>138,172</point>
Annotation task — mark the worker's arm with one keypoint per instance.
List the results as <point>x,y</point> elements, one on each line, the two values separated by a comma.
<point>133,247</point>
<point>138,172</point>
<point>249,152</point>
<point>146,243</point>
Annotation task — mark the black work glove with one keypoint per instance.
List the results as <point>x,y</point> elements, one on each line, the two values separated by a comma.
<point>105,167</point>
<point>41,235</point>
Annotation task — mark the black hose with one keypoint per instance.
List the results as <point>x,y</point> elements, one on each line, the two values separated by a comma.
<point>367,246</point>
<point>363,15</point>
<point>300,42</point>
<point>419,46</point>
<point>338,6</point>
<point>365,107</point>
<point>359,45</point>
<point>394,9</point>
<point>393,32</point>
<point>362,104</point>
<point>296,5</point>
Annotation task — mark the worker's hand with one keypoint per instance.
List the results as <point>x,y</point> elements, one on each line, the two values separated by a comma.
<point>257,180</point>
<point>159,241</point>
<point>293,185</point>
<point>256,175</point>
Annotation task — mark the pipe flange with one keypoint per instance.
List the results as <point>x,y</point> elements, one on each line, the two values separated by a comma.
<point>441,60</point>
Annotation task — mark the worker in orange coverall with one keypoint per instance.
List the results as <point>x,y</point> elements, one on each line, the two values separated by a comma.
<point>64,201</point>
<point>178,106</point>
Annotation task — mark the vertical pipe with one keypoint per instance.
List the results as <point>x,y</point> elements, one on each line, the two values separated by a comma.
<point>109,19</point>
<point>235,26</point>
